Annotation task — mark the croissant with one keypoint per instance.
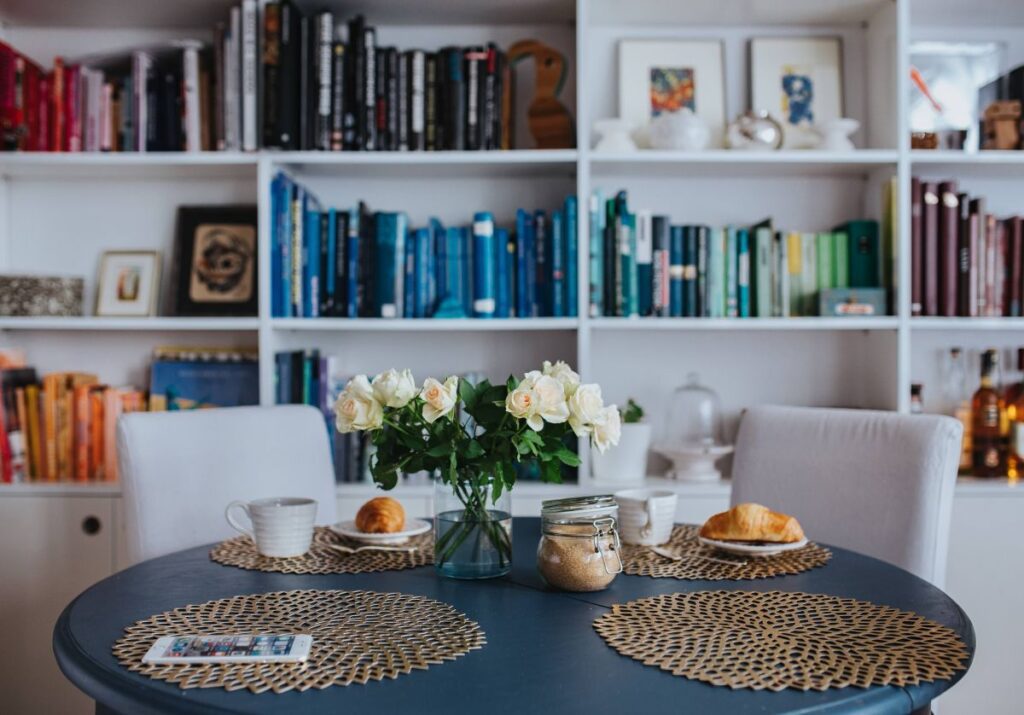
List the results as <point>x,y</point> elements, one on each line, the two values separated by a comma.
<point>380,515</point>
<point>752,522</point>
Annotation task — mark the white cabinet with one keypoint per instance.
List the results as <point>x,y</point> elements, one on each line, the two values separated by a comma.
<point>51,549</point>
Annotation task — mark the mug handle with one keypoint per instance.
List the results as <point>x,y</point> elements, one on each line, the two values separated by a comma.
<point>646,530</point>
<point>244,506</point>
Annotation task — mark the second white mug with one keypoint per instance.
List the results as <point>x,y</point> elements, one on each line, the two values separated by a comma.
<point>281,526</point>
<point>646,516</point>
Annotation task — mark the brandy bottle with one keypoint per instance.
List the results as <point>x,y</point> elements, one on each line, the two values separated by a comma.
<point>988,415</point>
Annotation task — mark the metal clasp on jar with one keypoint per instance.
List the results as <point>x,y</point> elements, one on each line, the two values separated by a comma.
<point>606,527</point>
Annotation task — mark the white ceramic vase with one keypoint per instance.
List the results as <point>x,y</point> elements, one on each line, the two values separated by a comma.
<point>613,135</point>
<point>626,463</point>
<point>834,135</point>
<point>682,131</point>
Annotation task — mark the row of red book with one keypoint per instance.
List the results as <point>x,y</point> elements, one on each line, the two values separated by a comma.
<point>965,261</point>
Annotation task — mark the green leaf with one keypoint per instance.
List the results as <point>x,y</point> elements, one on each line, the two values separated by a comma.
<point>440,450</point>
<point>523,447</point>
<point>474,449</point>
<point>551,471</point>
<point>567,456</point>
<point>512,383</point>
<point>534,438</point>
<point>498,484</point>
<point>388,479</point>
<point>467,393</point>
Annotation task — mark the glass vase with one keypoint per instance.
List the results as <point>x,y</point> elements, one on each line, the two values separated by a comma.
<point>472,530</point>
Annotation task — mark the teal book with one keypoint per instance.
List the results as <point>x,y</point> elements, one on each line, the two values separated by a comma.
<point>389,278</point>
<point>761,271</point>
<point>743,271</point>
<point>556,261</point>
<point>731,277</point>
<point>864,256</point>
<point>572,292</point>
<point>716,273</point>
<point>597,224</point>
<point>825,242</point>
<point>628,298</point>
<point>840,260</point>
<point>644,262</point>
<point>809,274</point>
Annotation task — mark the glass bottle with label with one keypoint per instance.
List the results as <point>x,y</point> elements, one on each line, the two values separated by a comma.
<point>988,413</point>
<point>958,401</point>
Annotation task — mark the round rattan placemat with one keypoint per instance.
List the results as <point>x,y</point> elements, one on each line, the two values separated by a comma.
<point>322,559</point>
<point>358,636</point>
<point>777,640</point>
<point>703,563</point>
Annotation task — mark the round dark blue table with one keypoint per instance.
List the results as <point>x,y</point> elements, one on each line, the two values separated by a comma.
<point>542,654</point>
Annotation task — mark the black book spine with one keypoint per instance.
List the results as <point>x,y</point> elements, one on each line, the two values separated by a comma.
<point>297,359</point>
<point>391,76</point>
<point>217,91</point>
<point>338,77</point>
<point>963,257</point>
<point>354,87</point>
<point>324,66</point>
<point>326,299</point>
<point>491,127</point>
<point>404,70</point>
<point>703,305</point>
<point>271,73</point>
<point>690,241</point>
<point>370,89</point>
<point>454,95</point>
<point>417,96</point>
<point>340,297</point>
<point>152,111</point>
<point>475,72</point>
<point>500,97</point>
<point>367,255</point>
<point>380,84</point>
<point>430,104</point>
<point>288,87</point>
<point>305,82</point>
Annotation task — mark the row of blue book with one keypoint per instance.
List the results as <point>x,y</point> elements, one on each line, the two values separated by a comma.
<point>354,263</point>
<point>643,265</point>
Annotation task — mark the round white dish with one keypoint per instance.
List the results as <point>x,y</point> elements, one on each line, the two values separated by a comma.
<point>413,527</point>
<point>748,549</point>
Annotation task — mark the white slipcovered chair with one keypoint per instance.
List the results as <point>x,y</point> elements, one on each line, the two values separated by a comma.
<point>179,470</point>
<point>875,482</point>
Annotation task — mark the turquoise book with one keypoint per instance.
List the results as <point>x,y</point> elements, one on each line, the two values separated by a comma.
<point>761,273</point>
<point>731,273</point>
<point>556,260</point>
<point>572,270</point>
<point>743,271</point>
<point>485,255</point>
<point>676,271</point>
<point>409,275</point>
<point>627,256</point>
<point>503,279</point>
<point>716,273</point>
<point>863,253</point>
<point>450,290</point>
<point>644,262</point>
<point>311,259</point>
<point>423,270</point>
<point>389,262</point>
<point>597,228</point>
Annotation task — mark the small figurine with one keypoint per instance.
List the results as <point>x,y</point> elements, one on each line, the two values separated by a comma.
<point>550,122</point>
<point>1001,125</point>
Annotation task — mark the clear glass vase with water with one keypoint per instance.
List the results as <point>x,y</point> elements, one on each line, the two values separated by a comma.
<point>472,530</point>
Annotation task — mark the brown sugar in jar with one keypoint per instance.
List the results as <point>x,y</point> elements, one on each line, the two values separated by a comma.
<point>579,548</point>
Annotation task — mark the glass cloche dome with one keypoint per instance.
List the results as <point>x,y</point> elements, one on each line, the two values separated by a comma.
<point>694,416</point>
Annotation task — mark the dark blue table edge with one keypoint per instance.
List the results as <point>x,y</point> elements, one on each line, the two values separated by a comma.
<point>106,686</point>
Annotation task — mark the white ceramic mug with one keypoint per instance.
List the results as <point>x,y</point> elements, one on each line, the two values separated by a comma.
<point>281,526</point>
<point>646,516</point>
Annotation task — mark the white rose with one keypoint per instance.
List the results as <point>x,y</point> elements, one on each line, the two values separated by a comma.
<point>607,429</point>
<point>553,407</point>
<point>393,388</point>
<point>585,406</point>
<point>357,408</point>
<point>564,374</point>
<point>440,398</point>
<point>524,403</point>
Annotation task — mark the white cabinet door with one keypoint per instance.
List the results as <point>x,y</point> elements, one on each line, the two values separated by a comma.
<point>51,549</point>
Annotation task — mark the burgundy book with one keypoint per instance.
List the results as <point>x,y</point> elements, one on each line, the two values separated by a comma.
<point>930,245</point>
<point>1000,277</point>
<point>1015,238</point>
<point>963,290</point>
<point>948,223</point>
<point>916,248</point>
<point>991,264</point>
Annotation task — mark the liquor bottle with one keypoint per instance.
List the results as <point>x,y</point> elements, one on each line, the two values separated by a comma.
<point>1015,389</point>
<point>916,404</point>
<point>958,400</point>
<point>988,414</point>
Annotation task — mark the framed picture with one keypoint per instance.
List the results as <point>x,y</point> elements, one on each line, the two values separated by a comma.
<point>215,261</point>
<point>799,81</point>
<point>129,283</point>
<point>658,76</point>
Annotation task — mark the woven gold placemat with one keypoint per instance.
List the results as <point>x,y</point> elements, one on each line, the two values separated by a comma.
<point>358,636</point>
<point>776,640</point>
<point>703,563</point>
<point>322,559</point>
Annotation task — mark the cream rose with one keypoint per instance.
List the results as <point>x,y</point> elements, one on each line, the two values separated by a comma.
<point>585,405</point>
<point>394,388</point>
<point>553,407</point>
<point>524,403</point>
<point>607,429</point>
<point>564,374</point>
<point>440,398</point>
<point>357,408</point>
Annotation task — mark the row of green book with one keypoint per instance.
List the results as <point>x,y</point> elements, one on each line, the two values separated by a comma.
<point>643,265</point>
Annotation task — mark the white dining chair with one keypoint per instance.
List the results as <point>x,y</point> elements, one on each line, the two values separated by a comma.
<point>180,470</point>
<point>875,482</point>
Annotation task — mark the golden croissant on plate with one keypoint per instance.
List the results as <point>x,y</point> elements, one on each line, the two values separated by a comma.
<point>752,522</point>
<point>380,515</point>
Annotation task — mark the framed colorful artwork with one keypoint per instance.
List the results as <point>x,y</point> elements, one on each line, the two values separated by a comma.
<point>215,261</point>
<point>658,76</point>
<point>799,81</point>
<point>129,283</point>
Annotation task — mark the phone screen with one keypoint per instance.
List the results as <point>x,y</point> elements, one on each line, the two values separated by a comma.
<point>228,646</point>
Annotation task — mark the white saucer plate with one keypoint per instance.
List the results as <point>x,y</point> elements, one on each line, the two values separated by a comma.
<point>744,548</point>
<point>413,527</point>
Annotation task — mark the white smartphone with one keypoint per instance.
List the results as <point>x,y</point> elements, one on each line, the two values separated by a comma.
<point>263,648</point>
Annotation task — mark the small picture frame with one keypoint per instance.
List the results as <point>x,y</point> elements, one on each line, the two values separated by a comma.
<point>799,81</point>
<point>658,76</point>
<point>128,284</point>
<point>215,261</point>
